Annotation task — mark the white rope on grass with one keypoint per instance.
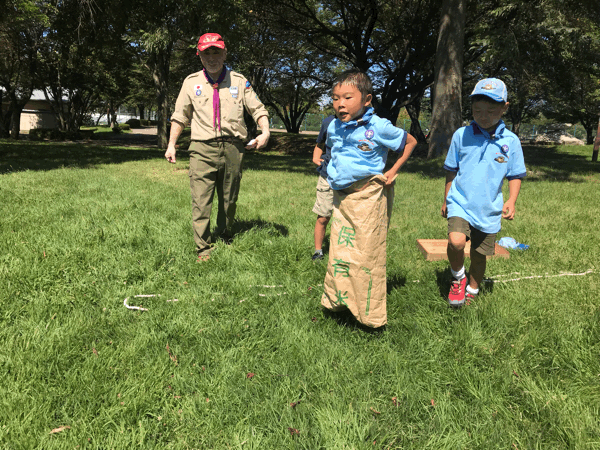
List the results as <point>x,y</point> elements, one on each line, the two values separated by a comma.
<point>587,272</point>
<point>267,286</point>
<point>139,308</point>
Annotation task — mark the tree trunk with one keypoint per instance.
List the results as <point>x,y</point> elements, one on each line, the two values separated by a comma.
<point>5,117</point>
<point>160,75</point>
<point>414,109</point>
<point>16,108</point>
<point>589,129</point>
<point>142,110</point>
<point>516,128</point>
<point>447,110</point>
<point>596,144</point>
<point>15,122</point>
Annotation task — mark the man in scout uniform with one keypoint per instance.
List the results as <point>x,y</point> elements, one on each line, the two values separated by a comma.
<point>213,101</point>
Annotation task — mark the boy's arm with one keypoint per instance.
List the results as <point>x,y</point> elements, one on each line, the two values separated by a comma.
<point>317,153</point>
<point>450,176</point>
<point>508,211</point>
<point>390,175</point>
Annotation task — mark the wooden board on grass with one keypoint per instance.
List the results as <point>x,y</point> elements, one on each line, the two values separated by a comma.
<point>435,249</point>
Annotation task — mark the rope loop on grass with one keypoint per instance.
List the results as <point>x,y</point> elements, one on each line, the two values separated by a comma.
<point>139,308</point>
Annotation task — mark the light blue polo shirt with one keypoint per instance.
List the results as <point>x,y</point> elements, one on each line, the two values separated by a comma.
<point>359,148</point>
<point>481,162</point>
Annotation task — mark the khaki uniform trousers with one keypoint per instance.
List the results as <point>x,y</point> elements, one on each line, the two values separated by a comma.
<point>215,163</point>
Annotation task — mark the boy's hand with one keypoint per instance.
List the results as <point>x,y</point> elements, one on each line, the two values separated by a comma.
<point>508,211</point>
<point>390,177</point>
<point>317,160</point>
<point>444,210</point>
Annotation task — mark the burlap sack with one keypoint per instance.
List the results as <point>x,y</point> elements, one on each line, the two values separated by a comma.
<point>356,272</point>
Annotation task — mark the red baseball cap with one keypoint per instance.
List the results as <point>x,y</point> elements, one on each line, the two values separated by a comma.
<point>210,40</point>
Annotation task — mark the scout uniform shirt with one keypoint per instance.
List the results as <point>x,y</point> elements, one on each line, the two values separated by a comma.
<point>359,148</point>
<point>481,161</point>
<point>195,105</point>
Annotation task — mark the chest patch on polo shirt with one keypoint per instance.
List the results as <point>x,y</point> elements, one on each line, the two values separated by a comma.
<point>504,149</point>
<point>364,147</point>
<point>501,159</point>
<point>198,90</point>
<point>233,90</point>
<point>369,134</point>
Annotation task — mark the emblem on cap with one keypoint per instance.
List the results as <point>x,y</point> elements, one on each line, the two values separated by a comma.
<point>210,40</point>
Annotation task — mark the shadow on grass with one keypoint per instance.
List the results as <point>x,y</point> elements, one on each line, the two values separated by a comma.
<point>17,156</point>
<point>558,163</point>
<point>395,281</point>
<point>42,156</point>
<point>544,163</point>
<point>347,320</point>
<point>244,226</point>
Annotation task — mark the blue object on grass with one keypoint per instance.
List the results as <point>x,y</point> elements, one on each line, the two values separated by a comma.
<point>508,242</point>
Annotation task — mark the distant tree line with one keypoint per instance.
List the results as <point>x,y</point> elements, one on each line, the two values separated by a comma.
<point>99,55</point>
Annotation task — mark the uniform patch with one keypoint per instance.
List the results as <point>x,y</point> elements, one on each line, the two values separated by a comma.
<point>500,159</point>
<point>504,149</point>
<point>369,134</point>
<point>198,89</point>
<point>248,85</point>
<point>365,147</point>
<point>234,91</point>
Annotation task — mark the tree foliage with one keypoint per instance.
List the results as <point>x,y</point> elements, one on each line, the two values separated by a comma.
<point>90,55</point>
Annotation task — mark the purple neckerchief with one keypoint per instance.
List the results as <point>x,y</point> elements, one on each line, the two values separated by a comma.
<point>216,100</point>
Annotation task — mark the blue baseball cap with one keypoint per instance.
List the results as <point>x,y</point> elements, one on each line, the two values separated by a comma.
<point>492,88</point>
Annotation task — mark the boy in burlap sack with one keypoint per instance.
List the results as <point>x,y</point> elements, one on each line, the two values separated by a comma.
<point>363,199</point>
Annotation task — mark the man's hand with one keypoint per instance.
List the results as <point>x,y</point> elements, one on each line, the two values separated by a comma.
<point>170,154</point>
<point>262,140</point>
<point>317,161</point>
<point>444,210</point>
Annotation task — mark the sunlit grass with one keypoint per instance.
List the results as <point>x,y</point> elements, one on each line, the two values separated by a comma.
<point>252,361</point>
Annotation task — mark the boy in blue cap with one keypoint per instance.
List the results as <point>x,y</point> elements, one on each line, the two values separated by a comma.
<point>481,155</point>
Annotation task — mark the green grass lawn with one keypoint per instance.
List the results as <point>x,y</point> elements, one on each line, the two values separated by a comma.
<point>245,358</point>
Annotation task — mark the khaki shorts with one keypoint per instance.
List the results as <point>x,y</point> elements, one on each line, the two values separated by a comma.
<point>482,243</point>
<point>324,203</point>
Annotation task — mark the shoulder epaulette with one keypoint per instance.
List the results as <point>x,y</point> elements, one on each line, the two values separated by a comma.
<point>196,74</point>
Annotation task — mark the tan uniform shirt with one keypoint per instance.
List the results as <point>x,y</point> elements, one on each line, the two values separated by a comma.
<point>195,105</point>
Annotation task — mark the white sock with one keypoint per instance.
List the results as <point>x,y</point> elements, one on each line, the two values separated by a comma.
<point>460,274</point>
<point>472,291</point>
<point>320,251</point>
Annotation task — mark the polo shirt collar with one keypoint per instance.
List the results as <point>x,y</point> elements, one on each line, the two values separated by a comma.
<point>363,120</point>
<point>480,131</point>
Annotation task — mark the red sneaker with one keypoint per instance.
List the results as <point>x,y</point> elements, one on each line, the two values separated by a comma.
<point>456,297</point>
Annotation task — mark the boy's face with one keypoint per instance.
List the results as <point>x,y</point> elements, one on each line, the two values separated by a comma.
<point>488,114</point>
<point>348,102</point>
